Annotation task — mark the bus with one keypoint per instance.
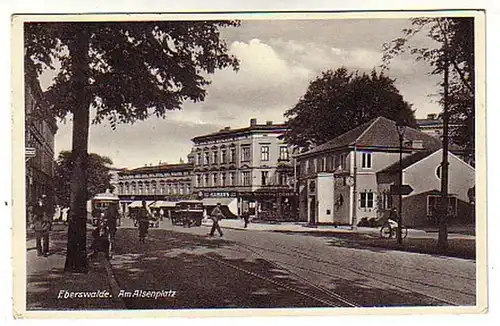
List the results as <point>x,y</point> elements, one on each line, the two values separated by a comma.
<point>99,204</point>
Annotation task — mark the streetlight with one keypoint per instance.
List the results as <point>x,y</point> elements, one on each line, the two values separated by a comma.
<point>400,127</point>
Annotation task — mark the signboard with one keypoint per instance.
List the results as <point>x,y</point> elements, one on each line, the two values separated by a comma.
<point>218,194</point>
<point>401,190</point>
<point>30,152</point>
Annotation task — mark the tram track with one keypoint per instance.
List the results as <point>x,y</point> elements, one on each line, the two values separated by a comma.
<point>365,273</point>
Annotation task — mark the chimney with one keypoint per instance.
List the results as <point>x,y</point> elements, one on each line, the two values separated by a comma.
<point>431,116</point>
<point>253,122</point>
<point>269,123</point>
<point>227,128</point>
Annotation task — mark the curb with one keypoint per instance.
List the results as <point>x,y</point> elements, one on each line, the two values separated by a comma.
<point>115,288</point>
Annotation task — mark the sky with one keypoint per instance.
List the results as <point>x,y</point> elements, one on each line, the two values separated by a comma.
<point>278,60</point>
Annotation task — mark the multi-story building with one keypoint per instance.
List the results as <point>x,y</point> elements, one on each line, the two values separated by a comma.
<point>40,129</point>
<point>169,182</point>
<point>349,178</point>
<point>251,164</point>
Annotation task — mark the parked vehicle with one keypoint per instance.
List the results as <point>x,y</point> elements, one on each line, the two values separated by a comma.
<point>188,213</point>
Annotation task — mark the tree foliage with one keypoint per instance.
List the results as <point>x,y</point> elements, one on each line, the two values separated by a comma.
<point>135,68</point>
<point>454,41</point>
<point>126,71</point>
<point>98,176</point>
<point>338,101</point>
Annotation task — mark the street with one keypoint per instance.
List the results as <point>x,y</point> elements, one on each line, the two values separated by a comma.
<point>259,269</point>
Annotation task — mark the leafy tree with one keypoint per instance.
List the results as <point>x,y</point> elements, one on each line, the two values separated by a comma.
<point>453,56</point>
<point>98,177</point>
<point>125,71</point>
<point>338,101</point>
<point>453,39</point>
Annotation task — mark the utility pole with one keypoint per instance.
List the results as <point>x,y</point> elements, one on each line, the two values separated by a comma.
<point>443,211</point>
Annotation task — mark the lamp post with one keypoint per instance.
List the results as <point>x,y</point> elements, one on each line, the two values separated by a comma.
<point>400,127</point>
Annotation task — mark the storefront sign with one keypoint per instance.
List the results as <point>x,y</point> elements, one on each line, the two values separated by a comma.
<point>219,194</point>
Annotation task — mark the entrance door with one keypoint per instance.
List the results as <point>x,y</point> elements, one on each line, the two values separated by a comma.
<point>312,209</point>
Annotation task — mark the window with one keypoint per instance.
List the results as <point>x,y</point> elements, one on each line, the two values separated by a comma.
<point>265,178</point>
<point>245,153</point>
<point>207,180</point>
<point>245,175</point>
<point>433,202</point>
<point>438,172</point>
<point>366,160</point>
<point>214,179</point>
<point>198,158</point>
<point>207,158</point>
<point>198,180</point>
<point>216,158</point>
<point>174,189</point>
<point>322,164</point>
<point>366,199</point>
<point>223,179</point>
<point>188,190</point>
<point>284,153</point>
<point>223,156</point>
<point>232,155</point>
<point>139,188</point>
<point>264,153</point>
<point>283,179</point>
<point>181,189</point>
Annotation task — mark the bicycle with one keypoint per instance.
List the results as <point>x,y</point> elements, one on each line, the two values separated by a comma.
<point>390,230</point>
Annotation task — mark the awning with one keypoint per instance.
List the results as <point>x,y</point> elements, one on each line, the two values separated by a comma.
<point>162,203</point>
<point>214,201</point>
<point>138,203</point>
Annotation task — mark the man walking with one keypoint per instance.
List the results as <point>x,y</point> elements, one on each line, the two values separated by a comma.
<point>143,216</point>
<point>246,217</point>
<point>42,226</point>
<point>216,215</point>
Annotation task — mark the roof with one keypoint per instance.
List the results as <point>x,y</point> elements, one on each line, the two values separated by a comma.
<point>159,168</point>
<point>407,161</point>
<point>260,128</point>
<point>379,132</point>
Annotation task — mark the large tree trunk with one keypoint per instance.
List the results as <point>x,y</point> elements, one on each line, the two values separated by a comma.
<point>76,256</point>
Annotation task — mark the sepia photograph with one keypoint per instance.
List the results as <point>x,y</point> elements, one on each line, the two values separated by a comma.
<point>260,163</point>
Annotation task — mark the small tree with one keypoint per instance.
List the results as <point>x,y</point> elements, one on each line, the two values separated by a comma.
<point>125,71</point>
<point>98,176</point>
<point>338,101</point>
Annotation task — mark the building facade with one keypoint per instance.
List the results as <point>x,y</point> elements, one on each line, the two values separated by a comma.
<point>40,129</point>
<point>169,182</point>
<point>251,165</point>
<point>338,181</point>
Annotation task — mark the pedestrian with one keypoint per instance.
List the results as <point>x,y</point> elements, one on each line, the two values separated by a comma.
<point>246,217</point>
<point>143,216</point>
<point>112,216</point>
<point>216,216</point>
<point>42,226</point>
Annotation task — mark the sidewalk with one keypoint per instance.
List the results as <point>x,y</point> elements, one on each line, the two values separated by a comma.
<point>303,227</point>
<point>47,282</point>
<point>418,241</point>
